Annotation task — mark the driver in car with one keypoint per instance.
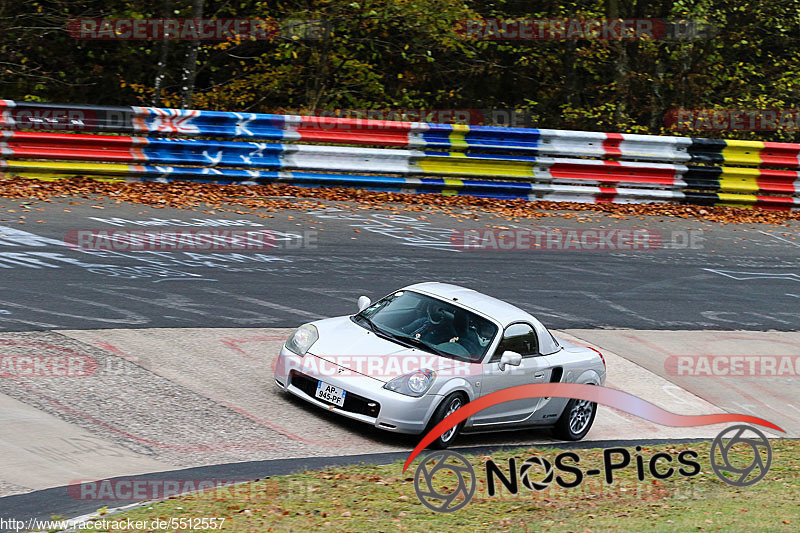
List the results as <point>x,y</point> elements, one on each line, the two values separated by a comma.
<point>434,327</point>
<point>465,334</point>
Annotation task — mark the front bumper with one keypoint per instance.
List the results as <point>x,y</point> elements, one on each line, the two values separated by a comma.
<point>392,411</point>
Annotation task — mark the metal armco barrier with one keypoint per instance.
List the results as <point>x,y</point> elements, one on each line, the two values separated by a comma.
<point>393,155</point>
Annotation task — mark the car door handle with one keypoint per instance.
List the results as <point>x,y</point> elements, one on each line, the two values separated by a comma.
<point>538,375</point>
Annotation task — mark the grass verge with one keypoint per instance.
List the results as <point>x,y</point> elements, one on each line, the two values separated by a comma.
<point>382,498</point>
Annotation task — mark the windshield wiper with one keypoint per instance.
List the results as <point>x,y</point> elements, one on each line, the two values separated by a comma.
<point>369,323</point>
<point>378,331</point>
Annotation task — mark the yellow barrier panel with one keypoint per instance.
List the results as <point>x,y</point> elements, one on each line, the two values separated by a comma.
<point>743,152</point>
<point>739,179</point>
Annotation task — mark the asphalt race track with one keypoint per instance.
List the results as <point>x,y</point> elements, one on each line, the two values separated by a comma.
<point>736,277</point>
<point>181,343</point>
<point>167,402</point>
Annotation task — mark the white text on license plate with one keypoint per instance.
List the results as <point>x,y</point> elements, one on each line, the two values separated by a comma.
<point>329,393</point>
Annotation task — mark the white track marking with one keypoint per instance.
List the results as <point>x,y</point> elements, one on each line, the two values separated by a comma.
<point>779,238</point>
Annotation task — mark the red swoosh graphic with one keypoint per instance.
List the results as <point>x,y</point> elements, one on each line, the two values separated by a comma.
<point>593,393</point>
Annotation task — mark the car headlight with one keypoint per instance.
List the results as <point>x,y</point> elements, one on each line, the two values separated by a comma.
<point>414,384</point>
<point>302,339</point>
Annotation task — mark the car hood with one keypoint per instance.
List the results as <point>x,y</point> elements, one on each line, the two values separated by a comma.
<point>346,344</point>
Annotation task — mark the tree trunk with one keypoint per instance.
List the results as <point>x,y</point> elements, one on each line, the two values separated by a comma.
<point>620,69</point>
<point>190,67</point>
<point>161,68</point>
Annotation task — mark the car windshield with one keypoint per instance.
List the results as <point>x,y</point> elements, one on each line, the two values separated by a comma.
<point>429,323</point>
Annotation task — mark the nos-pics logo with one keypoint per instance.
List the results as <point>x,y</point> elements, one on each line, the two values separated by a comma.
<point>448,493</point>
<point>445,481</point>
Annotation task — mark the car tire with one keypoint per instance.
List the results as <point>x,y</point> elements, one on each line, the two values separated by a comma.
<point>576,420</point>
<point>450,404</point>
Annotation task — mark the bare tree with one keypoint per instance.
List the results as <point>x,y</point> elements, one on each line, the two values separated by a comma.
<point>190,67</point>
<point>161,71</point>
<point>620,67</point>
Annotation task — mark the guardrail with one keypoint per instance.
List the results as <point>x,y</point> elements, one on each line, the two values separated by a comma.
<point>392,155</point>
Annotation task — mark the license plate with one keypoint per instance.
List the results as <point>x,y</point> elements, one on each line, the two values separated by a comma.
<point>329,393</point>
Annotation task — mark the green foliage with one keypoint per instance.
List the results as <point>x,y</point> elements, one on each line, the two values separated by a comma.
<point>408,54</point>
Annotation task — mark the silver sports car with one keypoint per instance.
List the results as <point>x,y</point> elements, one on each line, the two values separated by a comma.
<point>410,359</point>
